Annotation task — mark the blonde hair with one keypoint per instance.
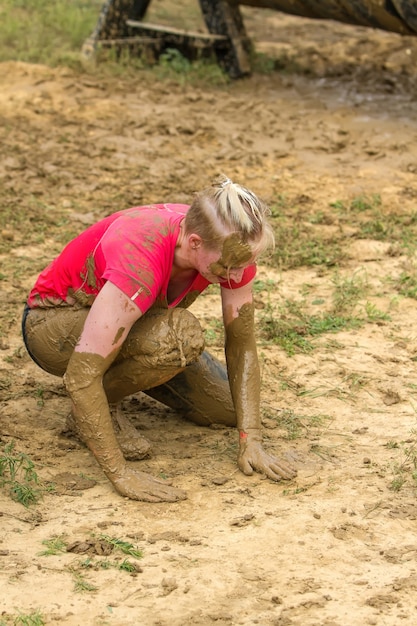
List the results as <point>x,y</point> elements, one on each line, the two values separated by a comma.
<point>234,207</point>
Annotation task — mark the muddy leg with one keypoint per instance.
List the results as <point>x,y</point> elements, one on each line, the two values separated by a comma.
<point>133,445</point>
<point>161,344</point>
<point>52,335</point>
<point>201,393</point>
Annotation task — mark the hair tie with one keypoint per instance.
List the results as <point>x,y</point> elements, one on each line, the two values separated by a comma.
<point>225,182</point>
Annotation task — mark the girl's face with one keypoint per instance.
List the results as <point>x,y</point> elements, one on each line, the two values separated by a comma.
<point>227,264</point>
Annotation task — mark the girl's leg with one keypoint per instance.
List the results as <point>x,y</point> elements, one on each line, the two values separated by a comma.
<point>201,393</point>
<point>160,345</point>
<point>52,334</point>
<point>164,345</point>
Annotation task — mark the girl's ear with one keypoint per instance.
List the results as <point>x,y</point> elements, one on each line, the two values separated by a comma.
<point>195,241</point>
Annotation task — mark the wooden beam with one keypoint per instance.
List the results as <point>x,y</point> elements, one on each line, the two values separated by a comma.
<point>175,31</point>
<point>225,19</point>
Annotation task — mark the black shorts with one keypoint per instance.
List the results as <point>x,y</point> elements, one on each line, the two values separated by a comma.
<point>24,317</point>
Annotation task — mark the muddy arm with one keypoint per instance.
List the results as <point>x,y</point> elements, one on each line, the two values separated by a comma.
<point>106,328</point>
<point>244,377</point>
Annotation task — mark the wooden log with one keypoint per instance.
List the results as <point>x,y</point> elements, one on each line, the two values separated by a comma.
<point>396,16</point>
<point>168,30</point>
<point>408,11</point>
<point>223,18</point>
<point>111,23</point>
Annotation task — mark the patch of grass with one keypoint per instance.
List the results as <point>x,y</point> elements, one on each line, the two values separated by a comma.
<point>300,239</point>
<point>33,619</point>
<point>45,31</point>
<point>263,285</point>
<point>262,63</point>
<point>32,226</point>
<point>406,284</point>
<point>55,545</point>
<point>174,66</point>
<point>404,470</point>
<point>296,426</point>
<point>297,245</point>
<point>18,476</point>
<point>106,564</point>
<point>126,566</point>
<point>303,237</point>
<point>58,545</point>
<point>123,546</point>
<point>23,619</point>
<point>375,221</point>
<point>291,325</point>
<point>347,291</point>
<point>81,585</point>
<point>214,332</point>
<point>374,314</point>
<point>358,204</point>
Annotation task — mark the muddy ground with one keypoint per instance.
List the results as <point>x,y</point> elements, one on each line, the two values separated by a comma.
<point>338,544</point>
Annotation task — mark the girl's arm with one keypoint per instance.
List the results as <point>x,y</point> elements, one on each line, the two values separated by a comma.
<point>106,328</point>
<point>244,377</point>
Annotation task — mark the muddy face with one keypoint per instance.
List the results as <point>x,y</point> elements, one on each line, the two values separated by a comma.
<point>235,255</point>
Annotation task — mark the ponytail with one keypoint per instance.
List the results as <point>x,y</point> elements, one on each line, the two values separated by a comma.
<point>236,209</point>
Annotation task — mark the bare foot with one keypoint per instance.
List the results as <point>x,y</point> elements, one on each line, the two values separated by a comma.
<point>140,486</point>
<point>133,445</point>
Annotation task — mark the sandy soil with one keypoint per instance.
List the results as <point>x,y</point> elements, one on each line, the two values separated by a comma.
<point>336,546</point>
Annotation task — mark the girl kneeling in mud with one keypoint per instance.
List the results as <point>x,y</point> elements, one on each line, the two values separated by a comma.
<point>109,315</point>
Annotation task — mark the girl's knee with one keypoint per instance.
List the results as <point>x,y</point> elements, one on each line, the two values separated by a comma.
<point>189,334</point>
<point>165,336</point>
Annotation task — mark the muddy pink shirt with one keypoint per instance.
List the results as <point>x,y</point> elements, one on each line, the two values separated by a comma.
<point>134,249</point>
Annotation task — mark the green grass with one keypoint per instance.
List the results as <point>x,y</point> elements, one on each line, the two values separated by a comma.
<point>303,236</point>
<point>376,221</point>
<point>57,545</point>
<point>18,476</point>
<point>81,585</point>
<point>298,245</point>
<point>45,31</point>
<point>54,546</point>
<point>173,65</point>
<point>404,469</point>
<point>54,223</point>
<point>291,324</point>
<point>295,426</point>
<point>23,619</point>
<point>123,546</point>
<point>406,284</point>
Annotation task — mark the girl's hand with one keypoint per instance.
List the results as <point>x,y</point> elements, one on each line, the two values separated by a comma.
<point>252,457</point>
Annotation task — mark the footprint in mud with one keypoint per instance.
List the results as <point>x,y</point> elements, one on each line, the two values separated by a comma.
<point>66,482</point>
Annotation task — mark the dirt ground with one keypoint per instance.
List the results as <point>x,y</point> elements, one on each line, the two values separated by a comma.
<point>338,544</point>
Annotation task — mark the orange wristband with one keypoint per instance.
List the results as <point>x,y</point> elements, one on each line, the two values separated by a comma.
<point>243,435</point>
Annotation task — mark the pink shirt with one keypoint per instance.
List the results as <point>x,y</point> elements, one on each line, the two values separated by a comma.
<point>134,249</point>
